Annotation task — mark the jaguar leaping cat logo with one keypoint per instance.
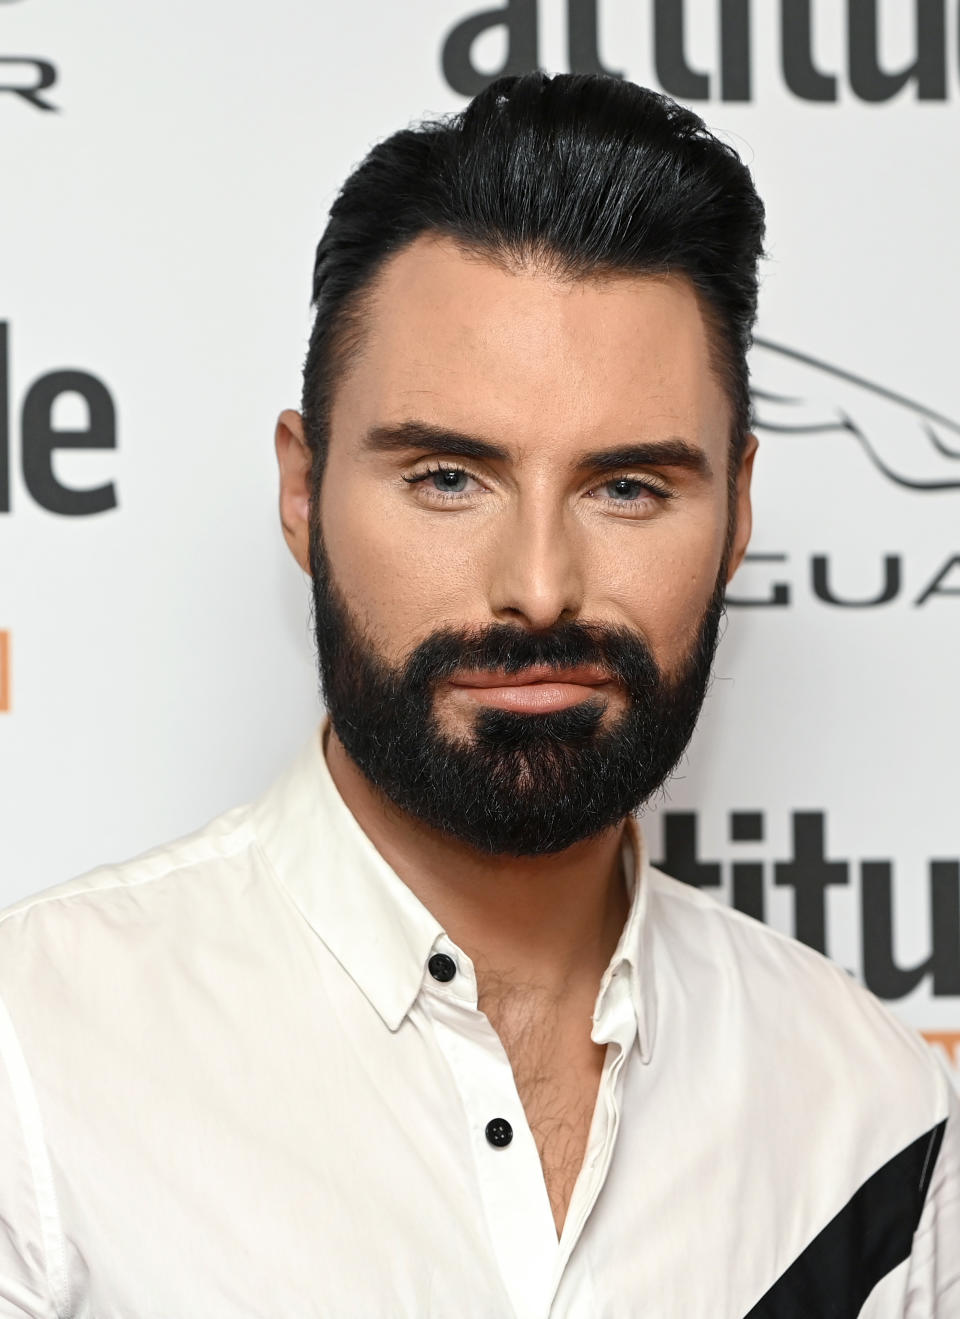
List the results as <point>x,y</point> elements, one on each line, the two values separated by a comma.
<point>910,444</point>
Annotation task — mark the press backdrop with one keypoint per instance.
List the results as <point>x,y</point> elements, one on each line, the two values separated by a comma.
<point>165,171</point>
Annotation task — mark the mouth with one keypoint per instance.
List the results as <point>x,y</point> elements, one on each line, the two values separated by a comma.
<point>539,689</point>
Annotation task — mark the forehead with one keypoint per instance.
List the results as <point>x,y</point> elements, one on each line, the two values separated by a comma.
<point>453,337</point>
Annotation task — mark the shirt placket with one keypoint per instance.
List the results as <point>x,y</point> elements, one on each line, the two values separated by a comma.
<point>510,1179</point>
<point>615,1026</point>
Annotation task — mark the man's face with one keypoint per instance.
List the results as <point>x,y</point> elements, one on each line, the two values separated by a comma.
<point>526,480</point>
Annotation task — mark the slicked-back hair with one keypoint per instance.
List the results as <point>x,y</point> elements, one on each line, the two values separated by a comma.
<point>583,175</point>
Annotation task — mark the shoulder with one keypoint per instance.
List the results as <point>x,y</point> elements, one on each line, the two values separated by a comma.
<point>787,1001</point>
<point>131,892</point>
<point>104,961</point>
<point>804,1101</point>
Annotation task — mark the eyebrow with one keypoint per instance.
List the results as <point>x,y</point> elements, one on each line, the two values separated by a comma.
<point>672,452</point>
<point>425,435</point>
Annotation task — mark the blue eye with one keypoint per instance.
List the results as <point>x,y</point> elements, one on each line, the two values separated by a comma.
<point>452,480</point>
<point>625,489</point>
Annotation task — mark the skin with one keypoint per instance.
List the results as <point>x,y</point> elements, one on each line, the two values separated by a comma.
<point>553,373</point>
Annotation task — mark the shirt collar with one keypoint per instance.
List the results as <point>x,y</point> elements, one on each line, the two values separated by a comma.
<point>373,924</point>
<point>633,955</point>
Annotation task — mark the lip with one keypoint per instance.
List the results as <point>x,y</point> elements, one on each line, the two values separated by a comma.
<point>582,675</point>
<point>539,689</point>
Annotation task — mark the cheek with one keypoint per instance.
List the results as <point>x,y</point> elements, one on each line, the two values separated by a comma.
<point>403,579</point>
<point>663,583</point>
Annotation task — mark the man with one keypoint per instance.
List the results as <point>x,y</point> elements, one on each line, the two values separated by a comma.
<point>422,1032</point>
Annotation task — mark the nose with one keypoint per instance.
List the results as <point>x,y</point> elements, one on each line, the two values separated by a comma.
<point>537,573</point>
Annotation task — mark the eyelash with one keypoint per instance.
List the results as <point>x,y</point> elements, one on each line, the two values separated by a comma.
<point>417,477</point>
<point>659,492</point>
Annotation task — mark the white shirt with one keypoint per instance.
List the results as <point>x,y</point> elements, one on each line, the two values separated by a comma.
<point>230,1086</point>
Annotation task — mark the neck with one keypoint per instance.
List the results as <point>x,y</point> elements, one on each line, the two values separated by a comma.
<point>551,921</point>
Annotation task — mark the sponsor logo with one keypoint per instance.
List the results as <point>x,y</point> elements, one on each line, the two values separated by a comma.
<point>27,77</point>
<point>41,438</point>
<point>912,447</point>
<point>766,581</point>
<point>949,1042</point>
<point>729,74</point>
<point>810,874</point>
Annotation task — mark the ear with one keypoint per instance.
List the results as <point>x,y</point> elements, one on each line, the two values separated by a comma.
<point>743,510</point>
<point>295,463</point>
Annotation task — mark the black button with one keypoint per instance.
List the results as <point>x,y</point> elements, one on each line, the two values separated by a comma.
<point>499,1131</point>
<point>442,967</point>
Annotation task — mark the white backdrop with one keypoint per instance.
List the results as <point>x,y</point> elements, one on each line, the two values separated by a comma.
<point>162,192</point>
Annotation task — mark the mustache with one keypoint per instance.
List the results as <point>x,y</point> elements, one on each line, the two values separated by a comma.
<point>507,648</point>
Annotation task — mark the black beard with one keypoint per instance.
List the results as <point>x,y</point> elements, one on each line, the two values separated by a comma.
<point>522,784</point>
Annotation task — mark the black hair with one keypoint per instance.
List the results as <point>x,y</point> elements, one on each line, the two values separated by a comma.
<point>584,173</point>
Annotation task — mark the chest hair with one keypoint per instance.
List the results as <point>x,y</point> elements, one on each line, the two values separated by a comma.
<point>556,1068</point>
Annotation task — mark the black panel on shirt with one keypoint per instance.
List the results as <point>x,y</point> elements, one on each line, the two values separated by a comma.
<point>871,1235</point>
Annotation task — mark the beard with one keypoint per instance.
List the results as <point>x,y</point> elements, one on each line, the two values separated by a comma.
<point>518,784</point>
